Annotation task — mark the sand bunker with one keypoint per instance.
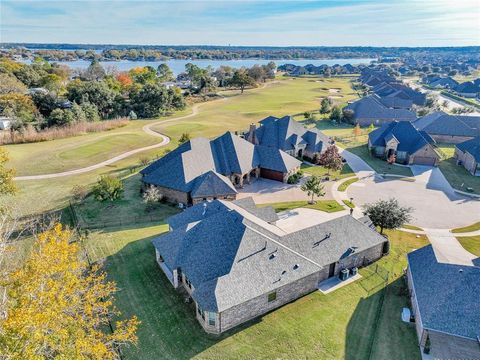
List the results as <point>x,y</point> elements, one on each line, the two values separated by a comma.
<point>334,90</point>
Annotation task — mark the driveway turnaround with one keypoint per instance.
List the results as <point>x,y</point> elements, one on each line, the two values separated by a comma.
<point>435,204</point>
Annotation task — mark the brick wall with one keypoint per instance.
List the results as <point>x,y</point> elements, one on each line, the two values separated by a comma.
<point>174,196</point>
<point>468,161</point>
<point>260,305</point>
<point>450,139</point>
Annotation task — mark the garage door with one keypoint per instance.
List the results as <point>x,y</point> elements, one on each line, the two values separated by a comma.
<point>271,174</point>
<point>423,160</point>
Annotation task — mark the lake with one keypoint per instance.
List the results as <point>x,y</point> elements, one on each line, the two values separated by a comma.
<point>178,66</point>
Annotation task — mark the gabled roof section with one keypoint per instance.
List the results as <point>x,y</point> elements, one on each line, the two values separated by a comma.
<point>440,123</point>
<point>212,184</point>
<point>275,159</point>
<point>447,294</point>
<point>233,154</point>
<point>409,139</point>
<point>472,147</point>
<point>370,107</point>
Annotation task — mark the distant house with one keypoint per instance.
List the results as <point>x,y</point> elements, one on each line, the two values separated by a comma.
<point>289,136</point>
<point>373,77</point>
<point>203,169</point>
<point>236,263</point>
<point>404,143</point>
<point>400,91</point>
<point>5,123</point>
<point>371,110</point>
<point>441,82</point>
<point>446,128</point>
<point>445,306</point>
<point>468,89</point>
<point>467,154</point>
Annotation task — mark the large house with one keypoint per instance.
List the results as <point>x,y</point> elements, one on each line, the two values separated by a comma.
<point>203,169</point>
<point>400,92</point>
<point>237,263</point>
<point>445,305</point>
<point>467,154</point>
<point>289,136</point>
<point>373,110</point>
<point>446,128</point>
<point>440,82</point>
<point>403,143</point>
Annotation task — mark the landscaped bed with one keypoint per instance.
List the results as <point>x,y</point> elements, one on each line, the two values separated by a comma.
<point>323,205</point>
<point>359,321</point>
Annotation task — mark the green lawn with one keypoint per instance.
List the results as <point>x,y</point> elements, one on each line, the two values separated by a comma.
<point>411,227</point>
<point>471,244</point>
<point>323,205</point>
<point>379,165</point>
<point>455,174</point>
<point>473,227</point>
<point>321,171</point>
<point>126,211</point>
<point>345,324</point>
<point>349,203</point>
<point>343,186</point>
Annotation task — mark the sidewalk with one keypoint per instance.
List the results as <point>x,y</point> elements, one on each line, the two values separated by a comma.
<point>447,248</point>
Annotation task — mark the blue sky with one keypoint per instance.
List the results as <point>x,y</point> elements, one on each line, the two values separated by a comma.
<point>246,22</point>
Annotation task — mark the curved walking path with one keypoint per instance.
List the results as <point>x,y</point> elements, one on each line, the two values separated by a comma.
<point>147,129</point>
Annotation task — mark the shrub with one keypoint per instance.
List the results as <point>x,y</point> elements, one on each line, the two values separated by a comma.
<point>295,178</point>
<point>132,115</point>
<point>108,188</point>
<point>79,193</point>
<point>144,160</point>
<point>184,138</point>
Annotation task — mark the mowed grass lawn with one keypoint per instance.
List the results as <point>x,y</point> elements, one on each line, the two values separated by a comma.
<point>322,205</point>
<point>345,324</point>
<point>455,174</point>
<point>322,171</point>
<point>285,96</point>
<point>471,244</point>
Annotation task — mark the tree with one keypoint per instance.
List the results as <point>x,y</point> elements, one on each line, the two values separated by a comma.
<point>79,193</point>
<point>371,127</point>
<point>153,100</point>
<point>184,138</point>
<point>336,114</point>
<point>164,73</point>
<point>59,307</point>
<point>313,187</point>
<point>7,186</point>
<point>347,115</point>
<point>124,79</point>
<point>108,188</point>
<point>357,131</point>
<point>95,71</point>
<point>94,92</point>
<point>151,197</point>
<point>241,79</point>
<point>325,106</point>
<point>387,214</point>
<point>45,102</point>
<point>18,106</point>
<point>331,159</point>
<point>59,117</point>
<point>10,84</point>
<point>257,73</point>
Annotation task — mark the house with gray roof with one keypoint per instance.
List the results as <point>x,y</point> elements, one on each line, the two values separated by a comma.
<point>402,143</point>
<point>441,82</point>
<point>236,263</point>
<point>467,154</point>
<point>446,128</point>
<point>445,305</point>
<point>371,110</point>
<point>203,169</point>
<point>468,89</point>
<point>289,136</point>
<point>400,91</point>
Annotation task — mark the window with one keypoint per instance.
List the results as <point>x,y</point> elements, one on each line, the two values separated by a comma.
<point>272,296</point>
<point>211,318</point>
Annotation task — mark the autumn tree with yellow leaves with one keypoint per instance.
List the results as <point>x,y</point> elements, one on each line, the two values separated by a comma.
<point>59,308</point>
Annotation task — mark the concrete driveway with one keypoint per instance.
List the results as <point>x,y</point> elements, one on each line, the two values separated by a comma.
<point>435,204</point>
<point>266,191</point>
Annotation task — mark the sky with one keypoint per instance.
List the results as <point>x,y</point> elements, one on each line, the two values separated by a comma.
<point>243,22</point>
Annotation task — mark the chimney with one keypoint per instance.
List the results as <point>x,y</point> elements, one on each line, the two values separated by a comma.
<point>251,136</point>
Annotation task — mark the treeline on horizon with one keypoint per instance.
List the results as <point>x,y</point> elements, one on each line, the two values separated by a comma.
<point>70,52</point>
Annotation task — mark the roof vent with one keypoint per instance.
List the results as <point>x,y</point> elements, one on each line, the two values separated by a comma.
<point>272,256</point>
<point>284,272</point>
<point>296,266</point>
<point>204,208</point>
<point>460,271</point>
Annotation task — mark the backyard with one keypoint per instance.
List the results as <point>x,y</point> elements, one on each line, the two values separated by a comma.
<point>349,323</point>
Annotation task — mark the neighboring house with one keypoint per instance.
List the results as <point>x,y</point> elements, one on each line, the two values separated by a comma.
<point>373,77</point>
<point>468,89</point>
<point>237,264</point>
<point>400,91</point>
<point>445,301</point>
<point>289,136</point>
<point>441,82</point>
<point>467,154</point>
<point>5,123</point>
<point>446,128</point>
<point>203,169</point>
<point>370,110</point>
<point>405,143</point>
